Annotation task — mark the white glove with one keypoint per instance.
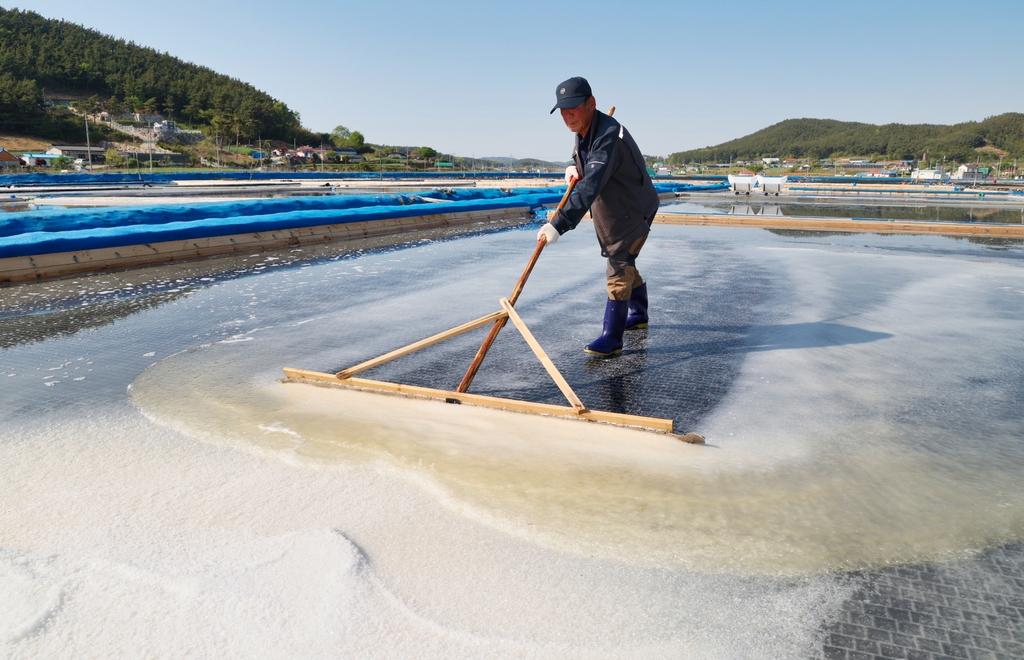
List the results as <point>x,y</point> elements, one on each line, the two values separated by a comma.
<point>570,174</point>
<point>548,233</point>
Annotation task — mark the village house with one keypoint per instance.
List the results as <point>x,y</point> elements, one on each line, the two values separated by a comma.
<point>8,160</point>
<point>77,151</point>
<point>38,160</point>
<point>971,172</point>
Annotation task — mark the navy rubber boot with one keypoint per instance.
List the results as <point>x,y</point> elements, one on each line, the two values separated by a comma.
<point>610,341</point>
<point>637,317</point>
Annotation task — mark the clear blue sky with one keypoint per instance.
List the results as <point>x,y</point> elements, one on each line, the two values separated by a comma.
<point>478,78</point>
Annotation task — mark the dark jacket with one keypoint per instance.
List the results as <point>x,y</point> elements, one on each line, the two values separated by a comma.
<point>615,187</point>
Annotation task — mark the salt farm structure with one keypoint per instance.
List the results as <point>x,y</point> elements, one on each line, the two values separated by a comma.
<point>851,354</point>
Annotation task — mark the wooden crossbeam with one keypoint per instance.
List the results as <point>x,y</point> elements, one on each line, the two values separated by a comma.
<point>543,357</point>
<point>423,343</point>
<point>619,419</point>
<point>843,224</point>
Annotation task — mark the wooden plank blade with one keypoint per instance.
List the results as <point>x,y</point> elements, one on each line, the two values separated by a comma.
<point>618,419</point>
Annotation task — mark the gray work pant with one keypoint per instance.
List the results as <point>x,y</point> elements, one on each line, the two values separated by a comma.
<point>623,276</point>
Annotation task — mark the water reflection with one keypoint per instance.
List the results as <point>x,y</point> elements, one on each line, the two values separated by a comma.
<point>918,212</point>
<point>31,328</point>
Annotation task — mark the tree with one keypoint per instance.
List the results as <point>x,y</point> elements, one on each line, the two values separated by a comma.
<point>113,158</point>
<point>358,143</point>
<point>113,106</point>
<point>90,105</point>
<point>340,136</point>
<point>21,103</point>
<point>426,153</point>
<point>193,109</point>
<point>221,124</point>
<point>62,163</point>
<point>150,106</point>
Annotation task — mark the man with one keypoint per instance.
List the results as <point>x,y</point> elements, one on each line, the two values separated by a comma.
<point>617,190</point>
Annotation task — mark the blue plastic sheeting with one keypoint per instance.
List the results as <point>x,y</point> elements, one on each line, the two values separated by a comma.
<point>554,194</point>
<point>690,187</point>
<point>34,243</point>
<point>34,233</point>
<point>69,219</point>
<point>39,179</point>
<point>128,177</point>
<point>12,224</point>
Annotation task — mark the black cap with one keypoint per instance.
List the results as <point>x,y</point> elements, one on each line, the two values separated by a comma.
<point>571,93</point>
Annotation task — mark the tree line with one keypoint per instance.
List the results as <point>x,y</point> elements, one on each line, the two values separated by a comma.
<point>827,138</point>
<point>40,55</point>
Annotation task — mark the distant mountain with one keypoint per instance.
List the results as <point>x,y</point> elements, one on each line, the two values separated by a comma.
<point>38,53</point>
<point>520,163</point>
<point>823,138</point>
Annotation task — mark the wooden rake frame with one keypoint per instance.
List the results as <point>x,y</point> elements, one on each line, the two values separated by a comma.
<point>575,410</point>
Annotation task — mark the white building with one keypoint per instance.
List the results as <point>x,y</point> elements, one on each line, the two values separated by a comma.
<point>75,151</point>
<point>970,172</point>
<point>927,175</point>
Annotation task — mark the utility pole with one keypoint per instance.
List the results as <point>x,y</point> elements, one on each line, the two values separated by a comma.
<point>149,124</point>
<point>88,144</point>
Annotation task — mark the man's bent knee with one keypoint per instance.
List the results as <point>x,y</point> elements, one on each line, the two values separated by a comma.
<point>621,285</point>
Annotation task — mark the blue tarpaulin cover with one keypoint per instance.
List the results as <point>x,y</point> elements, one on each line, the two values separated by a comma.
<point>44,232</point>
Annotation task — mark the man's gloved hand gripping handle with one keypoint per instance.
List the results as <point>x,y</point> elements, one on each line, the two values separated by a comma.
<point>548,233</point>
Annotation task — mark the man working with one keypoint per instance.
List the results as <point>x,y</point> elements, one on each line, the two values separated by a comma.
<point>615,186</point>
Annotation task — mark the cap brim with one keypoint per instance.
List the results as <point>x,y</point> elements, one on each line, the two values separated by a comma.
<point>570,102</point>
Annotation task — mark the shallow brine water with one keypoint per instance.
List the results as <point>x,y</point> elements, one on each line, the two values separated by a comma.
<point>1008,212</point>
<point>868,415</point>
<point>860,395</point>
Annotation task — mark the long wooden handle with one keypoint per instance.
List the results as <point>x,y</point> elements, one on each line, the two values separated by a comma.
<point>513,297</point>
<point>500,323</point>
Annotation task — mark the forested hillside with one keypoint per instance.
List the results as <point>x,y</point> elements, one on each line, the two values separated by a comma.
<point>823,138</point>
<point>38,54</point>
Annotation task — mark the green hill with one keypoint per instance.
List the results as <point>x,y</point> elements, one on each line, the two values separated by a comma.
<point>824,138</point>
<point>38,54</point>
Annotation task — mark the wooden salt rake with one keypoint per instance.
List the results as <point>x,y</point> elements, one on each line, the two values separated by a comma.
<point>576,409</point>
